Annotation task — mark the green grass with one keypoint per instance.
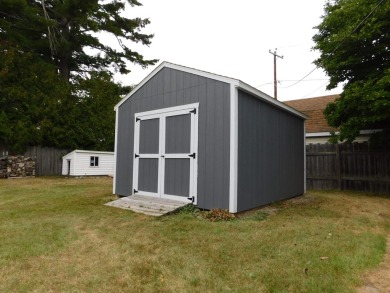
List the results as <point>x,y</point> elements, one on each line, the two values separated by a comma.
<point>56,235</point>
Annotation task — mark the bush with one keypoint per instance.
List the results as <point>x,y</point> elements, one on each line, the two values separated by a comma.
<point>216,215</point>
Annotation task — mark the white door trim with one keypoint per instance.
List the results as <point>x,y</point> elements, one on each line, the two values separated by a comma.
<point>162,114</point>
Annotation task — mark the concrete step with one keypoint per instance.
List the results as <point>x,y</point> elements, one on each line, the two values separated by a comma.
<point>153,206</point>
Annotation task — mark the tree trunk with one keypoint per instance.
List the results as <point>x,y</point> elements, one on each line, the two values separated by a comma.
<point>65,54</point>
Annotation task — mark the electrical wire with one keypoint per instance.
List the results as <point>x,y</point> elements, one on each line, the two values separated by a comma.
<point>289,80</point>
<point>342,42</point>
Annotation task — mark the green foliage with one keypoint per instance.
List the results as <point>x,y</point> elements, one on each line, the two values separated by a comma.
<point>217,215</point>
<point>356,53</point>
<point>30,95</point>
<point>189,209</point>
<point>56,72</point>
<point>65,33</point>
<point>97,96</point>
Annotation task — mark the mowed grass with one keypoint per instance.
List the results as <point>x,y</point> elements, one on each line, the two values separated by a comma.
<point>57,236</point>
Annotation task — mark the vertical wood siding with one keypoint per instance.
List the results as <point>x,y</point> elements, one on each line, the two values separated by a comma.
<point>169,88</point>
<point>270,153</point>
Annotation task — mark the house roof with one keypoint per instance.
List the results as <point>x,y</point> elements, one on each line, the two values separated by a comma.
<point>232,81</point>
<point>314,109</point>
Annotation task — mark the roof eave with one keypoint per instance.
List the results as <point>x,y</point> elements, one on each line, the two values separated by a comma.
<point>235,82</point>
<point>251,90</point>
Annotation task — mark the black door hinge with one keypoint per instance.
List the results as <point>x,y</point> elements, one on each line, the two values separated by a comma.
<point>191,198</point>
<point>193,111</point>
<point>136,156</point>
<point>137,119</point>
<point>193,155</point>
<point>135,191</point>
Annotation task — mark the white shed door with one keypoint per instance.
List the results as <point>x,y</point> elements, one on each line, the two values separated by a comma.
<point>165,159</point>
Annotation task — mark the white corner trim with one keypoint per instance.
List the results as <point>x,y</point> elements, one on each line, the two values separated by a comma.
<point>115,152</point>
<point>247,88</point>
<point>233,149</point>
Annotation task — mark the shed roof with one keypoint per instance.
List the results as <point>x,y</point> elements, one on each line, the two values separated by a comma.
<point>232,81</point>
<point>314,109</point>
<point>87,151</point>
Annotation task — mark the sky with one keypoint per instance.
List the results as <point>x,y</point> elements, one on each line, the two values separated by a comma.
<point>233,38</point>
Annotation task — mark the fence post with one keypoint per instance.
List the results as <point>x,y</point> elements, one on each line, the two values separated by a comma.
<point>338,166</point>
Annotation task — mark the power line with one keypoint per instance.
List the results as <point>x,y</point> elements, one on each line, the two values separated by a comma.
<point>342,42</point>
<point>324,84</point>
<point>290,80</point>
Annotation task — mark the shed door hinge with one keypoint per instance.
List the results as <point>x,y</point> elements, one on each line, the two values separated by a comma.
<point>191,198</point>
<point>136,156</point>
<point>193,111</point>
<point>137,119</point>
<point>135,191</point>
<point>192,155</point>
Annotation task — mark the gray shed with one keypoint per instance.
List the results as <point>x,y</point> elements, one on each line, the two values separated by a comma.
<point>191,135</point>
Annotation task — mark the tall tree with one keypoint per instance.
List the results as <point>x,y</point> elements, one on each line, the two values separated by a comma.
<point>56,81</point>
<point>66,32</point>
<point>353,39</point>
<point>30,94</point>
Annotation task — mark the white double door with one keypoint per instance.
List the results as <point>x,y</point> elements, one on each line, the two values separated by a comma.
<point>165,153</point>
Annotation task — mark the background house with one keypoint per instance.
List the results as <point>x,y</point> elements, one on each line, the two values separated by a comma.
<point>87,163</point>
<point>317,128</point>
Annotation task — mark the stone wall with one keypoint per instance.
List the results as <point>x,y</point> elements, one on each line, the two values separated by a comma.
<point>17,166</point>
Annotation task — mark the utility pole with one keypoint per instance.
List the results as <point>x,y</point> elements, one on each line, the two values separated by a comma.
<point>275,81</point>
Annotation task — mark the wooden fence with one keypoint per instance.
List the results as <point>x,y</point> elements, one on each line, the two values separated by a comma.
<point>347,167</point>
<point>48,160</point>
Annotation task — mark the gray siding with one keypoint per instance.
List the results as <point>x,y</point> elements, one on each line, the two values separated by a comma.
<point>148,174</point>
<point>169,88</point>
<point>178,134</point>
<point>270,153</point>
<point>149,136</point>
<point>177,177</point>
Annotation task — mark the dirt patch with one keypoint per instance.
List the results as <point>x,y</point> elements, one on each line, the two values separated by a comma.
<point>378,280</point>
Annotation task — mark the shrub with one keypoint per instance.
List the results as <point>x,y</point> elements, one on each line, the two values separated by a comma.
<point>216,215</point>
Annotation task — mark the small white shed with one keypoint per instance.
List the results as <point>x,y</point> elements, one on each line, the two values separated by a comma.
<point>87,163</point>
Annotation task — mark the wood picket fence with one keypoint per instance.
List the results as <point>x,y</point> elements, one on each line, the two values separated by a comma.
<point>48,161</point>
<point>347,167</point>
<point>342,166</point>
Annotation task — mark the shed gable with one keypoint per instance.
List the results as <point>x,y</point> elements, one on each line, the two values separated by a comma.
<point>171,87</point>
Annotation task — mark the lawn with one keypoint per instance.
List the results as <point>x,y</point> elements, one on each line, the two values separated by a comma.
<point>57,236</point>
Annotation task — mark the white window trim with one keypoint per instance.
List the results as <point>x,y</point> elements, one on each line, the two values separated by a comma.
<point>94,161</point>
